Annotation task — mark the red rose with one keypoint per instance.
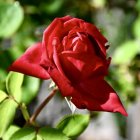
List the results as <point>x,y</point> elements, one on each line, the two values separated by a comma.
<point>73,54</point>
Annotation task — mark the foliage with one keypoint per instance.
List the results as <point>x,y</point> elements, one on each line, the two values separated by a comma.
<point>10,13</point>
<point>70,127</point>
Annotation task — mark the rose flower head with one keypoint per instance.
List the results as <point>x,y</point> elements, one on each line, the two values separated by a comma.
<point>73,54</point>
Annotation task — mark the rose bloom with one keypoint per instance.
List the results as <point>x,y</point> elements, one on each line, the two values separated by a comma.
<point>73,54</point>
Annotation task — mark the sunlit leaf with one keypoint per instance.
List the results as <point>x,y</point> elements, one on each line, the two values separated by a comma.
<point>11,130</point>
<point>26,133</point>
<point>13,84</point>
<point>11,16</point>
<point>74,125</point>
<point>3,95</point>
<point>136,28</point>
<point>38,138</point>
<point>7,112</point>
<point>126,52</point>
<point>24,111</point>
<point>30,88</point>
<point>52,134</point>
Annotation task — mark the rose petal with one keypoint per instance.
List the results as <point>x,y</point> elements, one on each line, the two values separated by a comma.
<point>72,23</point>
<point>96,35</point>
<point>54,30</point>
<point>62,82</point>
<point>97,95</point>
<point>78,66</point>
<point>56,58</point>
<point>29,63</point>
<point>66,18</point>
<point>89,29</point>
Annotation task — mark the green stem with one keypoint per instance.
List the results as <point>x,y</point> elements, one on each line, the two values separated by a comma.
<point>25,112</point>
<point>42,105</point>
<point>23,109</point>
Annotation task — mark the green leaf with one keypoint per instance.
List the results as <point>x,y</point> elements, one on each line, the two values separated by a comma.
<point>11,17</point>
<point>136,28</point>
<point>126,52</point>
<point>38,138</point>
<point>53,7</point>
<point>52,134</point>
<point>11,130</point>
<point>7,113</point>
<point>137,5</point>
<point>13,84</point>
<point>24,111</point>
<point>30,88</point>
<point>3,95</point>
<point>74,125</point>
<point>26,133</point>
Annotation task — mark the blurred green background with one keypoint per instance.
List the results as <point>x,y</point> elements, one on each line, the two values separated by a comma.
<point>23,21</point>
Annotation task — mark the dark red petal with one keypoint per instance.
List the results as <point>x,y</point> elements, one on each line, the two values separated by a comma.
<point>78,66</point>
<point>29,63</point>
<point>72,23</point>
<point>66,18</point>
<point>96,35</point>
<point>62,82</point>
<point>97,95</point>
<point>89,29</point>
<point>56,57</point>
<point>55,29</point>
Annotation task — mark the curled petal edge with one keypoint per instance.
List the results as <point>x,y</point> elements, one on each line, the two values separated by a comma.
<point>29,63</point>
